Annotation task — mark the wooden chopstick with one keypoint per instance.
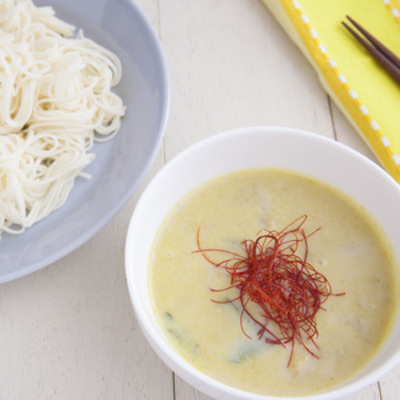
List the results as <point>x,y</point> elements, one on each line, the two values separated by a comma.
<point>380,46</point>
<point>384,56</point>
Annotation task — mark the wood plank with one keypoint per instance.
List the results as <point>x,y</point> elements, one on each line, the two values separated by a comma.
<point>68,331</point>
<point>390,385</point>
<point>231,66</point>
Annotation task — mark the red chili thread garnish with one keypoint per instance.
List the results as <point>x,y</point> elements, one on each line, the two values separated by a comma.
<point>275,275</point>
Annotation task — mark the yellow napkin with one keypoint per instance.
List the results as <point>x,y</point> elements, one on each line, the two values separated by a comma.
<point>365,93</point>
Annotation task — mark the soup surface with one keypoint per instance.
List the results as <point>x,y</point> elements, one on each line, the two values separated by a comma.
<point>349,250</point>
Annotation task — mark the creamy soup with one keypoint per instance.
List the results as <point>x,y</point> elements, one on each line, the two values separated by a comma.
<point>350,250</point>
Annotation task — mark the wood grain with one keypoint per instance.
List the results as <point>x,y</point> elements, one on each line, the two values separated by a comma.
<point>68,331</point>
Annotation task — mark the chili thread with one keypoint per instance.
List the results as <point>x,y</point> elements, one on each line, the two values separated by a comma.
<point>275,275</point>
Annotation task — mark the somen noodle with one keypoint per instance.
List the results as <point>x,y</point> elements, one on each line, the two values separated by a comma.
<point>55,102</point>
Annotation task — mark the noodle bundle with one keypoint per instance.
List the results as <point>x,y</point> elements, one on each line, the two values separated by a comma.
<point>55,102</point>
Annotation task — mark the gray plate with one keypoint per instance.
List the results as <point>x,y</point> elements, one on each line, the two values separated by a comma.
<point>121,163</point>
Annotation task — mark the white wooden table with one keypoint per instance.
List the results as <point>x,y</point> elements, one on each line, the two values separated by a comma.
<point>68,331</point>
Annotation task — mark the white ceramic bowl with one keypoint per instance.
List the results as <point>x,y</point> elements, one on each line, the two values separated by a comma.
<point>301,151</point>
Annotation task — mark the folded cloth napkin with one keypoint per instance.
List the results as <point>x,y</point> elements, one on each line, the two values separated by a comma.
<point>365,93</point>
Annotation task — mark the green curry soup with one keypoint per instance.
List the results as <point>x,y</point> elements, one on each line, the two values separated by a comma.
<point>349,250</point>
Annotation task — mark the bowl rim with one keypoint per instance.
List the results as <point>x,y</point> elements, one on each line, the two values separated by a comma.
<point>160,344</point>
